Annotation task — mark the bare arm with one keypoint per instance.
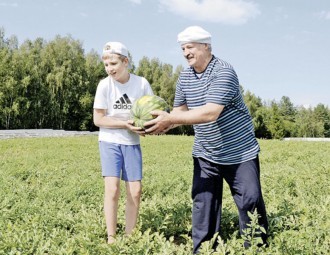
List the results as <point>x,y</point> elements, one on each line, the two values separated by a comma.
<point>182,116</point>
<point>101,120</point>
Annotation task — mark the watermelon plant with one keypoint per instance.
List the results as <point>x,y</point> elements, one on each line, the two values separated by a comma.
<point>51,192</point>
<point>142,107</point>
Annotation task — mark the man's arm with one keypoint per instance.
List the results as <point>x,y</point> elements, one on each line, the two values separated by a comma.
<point>182,116</point>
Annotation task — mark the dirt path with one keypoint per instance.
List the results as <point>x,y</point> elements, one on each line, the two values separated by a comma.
<point>19,133</point>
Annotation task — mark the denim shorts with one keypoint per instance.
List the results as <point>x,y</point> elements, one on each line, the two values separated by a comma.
<point>122,161</point>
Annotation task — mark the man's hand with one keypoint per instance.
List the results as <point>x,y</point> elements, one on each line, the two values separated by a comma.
<point>160,125</point>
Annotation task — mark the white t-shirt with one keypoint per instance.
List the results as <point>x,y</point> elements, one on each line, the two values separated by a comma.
<point>118,99</point>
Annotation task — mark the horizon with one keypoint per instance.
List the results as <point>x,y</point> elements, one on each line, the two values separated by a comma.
<point>276,49</point>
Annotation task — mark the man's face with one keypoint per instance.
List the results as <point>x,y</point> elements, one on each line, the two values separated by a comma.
<point>115,67</point>
<point>195,53</point>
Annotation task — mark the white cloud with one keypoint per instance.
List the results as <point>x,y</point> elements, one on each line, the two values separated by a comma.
<point>9,4</point>
<point>218,11</point>
<point>324,15</point>
<point>136,1</point>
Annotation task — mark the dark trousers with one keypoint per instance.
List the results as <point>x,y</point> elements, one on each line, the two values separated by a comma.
<point>244,182</point>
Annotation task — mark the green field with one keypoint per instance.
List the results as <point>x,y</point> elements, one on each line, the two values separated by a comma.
<point>51,201</point>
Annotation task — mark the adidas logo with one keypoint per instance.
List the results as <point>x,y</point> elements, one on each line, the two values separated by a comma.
<point>123,103</point>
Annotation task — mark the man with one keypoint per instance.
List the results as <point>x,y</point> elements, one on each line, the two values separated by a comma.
<point>208,97</point>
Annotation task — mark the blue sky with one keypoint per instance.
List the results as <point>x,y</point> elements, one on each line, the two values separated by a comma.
<point>277,47</point>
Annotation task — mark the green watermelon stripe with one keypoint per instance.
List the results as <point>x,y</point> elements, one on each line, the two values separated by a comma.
<point>142,107</point>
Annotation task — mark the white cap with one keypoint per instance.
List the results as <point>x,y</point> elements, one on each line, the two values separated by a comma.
<point>117,48</point>
<point>194,34</point>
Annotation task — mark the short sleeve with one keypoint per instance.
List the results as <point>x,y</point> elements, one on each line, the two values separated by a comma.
<point>223,87</point>
<point>100,100</point>
<point>179,98</point>
<point>147,87</point>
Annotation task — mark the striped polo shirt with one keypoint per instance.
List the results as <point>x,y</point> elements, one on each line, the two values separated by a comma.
<point>230,139</point>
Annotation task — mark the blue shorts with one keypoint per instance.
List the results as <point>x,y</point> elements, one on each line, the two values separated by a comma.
<point>120,160</point>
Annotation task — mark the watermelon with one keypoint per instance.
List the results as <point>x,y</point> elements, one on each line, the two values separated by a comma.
<point>140,111</point>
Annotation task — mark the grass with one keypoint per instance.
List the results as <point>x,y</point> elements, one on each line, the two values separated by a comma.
<point>52,198</point>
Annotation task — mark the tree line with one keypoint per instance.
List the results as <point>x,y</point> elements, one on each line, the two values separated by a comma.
<point>51,84</point>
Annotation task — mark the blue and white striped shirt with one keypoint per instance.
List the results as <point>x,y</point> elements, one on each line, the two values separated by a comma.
<point>230,139</point>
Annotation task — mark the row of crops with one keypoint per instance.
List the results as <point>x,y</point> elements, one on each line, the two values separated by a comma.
<point>52,199</point>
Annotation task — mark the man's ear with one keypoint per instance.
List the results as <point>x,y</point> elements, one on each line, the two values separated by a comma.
<point>126,62</point>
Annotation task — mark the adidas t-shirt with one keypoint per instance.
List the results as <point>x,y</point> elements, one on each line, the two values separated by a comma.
<point>117,99</point>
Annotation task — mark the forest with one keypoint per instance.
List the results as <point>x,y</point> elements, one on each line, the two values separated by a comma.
<point>51,85</point>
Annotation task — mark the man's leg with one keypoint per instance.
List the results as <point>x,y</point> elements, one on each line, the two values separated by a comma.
<point>132,175</point>
<point>133,194</point>
<point>111,197</point>
<point>244,183</point>
<point>207,201</point>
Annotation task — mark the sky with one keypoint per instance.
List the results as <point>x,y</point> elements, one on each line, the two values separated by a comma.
<point>277,47</point>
